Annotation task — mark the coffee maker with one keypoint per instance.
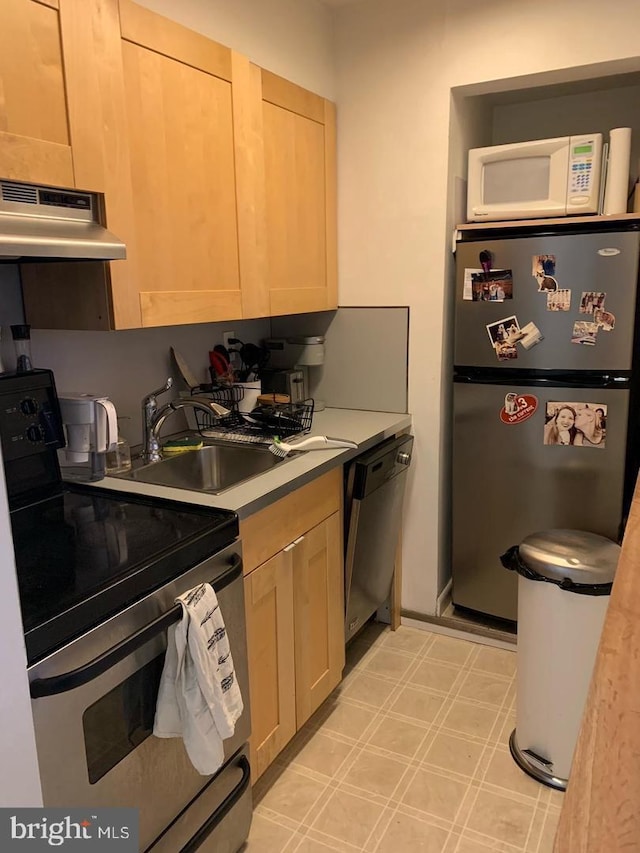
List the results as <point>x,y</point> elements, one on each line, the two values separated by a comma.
<point>291,360</point>
<point>91,428</point>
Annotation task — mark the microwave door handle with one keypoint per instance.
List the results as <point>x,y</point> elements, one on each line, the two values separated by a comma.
<point>196,842</point>
<point>40,687</point>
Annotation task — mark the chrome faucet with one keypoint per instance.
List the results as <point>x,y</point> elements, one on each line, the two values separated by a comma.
<point>154,418</point>
<point>149,409</point>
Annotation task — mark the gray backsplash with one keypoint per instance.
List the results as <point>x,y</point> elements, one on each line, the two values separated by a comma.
<point>366,353</point>
<point>11,311</point>
<point>365,364</point>
<point>129,364</point>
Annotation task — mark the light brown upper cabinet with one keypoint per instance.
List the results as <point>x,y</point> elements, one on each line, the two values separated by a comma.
<point>180,155</point>
<point>189,104</point>
<point>219,176</point>
<point>299,131</point>
<point>35,145</point>
<point>82,295</point>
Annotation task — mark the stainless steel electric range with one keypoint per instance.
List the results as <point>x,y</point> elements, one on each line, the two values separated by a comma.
<point>98,573</point>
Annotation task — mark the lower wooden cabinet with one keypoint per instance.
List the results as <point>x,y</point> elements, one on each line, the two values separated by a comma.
<point>268,596</point>
<point>318,611</point>
<point>294,605</point>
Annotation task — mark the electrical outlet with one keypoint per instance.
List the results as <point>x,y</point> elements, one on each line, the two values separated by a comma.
<point>225,338</point>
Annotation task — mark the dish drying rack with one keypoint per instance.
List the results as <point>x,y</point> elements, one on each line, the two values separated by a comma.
<point>282,419</point>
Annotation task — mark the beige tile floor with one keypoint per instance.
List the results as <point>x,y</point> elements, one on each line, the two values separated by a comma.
<point>409,753</point>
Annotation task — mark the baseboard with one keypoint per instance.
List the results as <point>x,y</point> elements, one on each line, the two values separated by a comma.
<point>444,599</point>
<point>461,630</point>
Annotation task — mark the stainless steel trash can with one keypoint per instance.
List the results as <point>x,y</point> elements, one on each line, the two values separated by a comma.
<point>564,584</point>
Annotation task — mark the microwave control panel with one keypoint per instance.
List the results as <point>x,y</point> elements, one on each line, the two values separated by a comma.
<point>585,155</point>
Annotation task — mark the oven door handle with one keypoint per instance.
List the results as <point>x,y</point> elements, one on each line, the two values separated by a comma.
<point>222,810</point>
<point>40,687</point>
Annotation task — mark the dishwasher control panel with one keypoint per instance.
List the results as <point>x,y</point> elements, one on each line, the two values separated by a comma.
<point>379,464</point>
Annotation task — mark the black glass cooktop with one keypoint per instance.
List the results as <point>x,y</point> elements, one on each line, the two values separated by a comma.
<point>86,553</point>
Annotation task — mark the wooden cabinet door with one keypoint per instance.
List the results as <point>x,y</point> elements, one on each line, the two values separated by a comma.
<point>92,145</point>
<point>300,197</point>
<point>318,591</point>
<point>268,594</point>
<point>34,130</point>
<point>190,116</point>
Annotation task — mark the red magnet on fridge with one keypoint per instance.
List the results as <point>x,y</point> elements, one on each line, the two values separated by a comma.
<point>518,408</point>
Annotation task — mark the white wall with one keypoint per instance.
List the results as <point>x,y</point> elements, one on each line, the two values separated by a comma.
<point>19,777</point>
<point>397,62</point>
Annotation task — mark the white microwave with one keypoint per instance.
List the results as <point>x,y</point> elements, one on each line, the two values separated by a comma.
<point>526,180</point>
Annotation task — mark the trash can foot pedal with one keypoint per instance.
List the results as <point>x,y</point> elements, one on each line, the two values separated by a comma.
<point>535,766</point>
<point>538,759</point>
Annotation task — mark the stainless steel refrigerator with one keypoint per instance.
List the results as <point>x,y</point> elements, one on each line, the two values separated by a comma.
<point>544,398</point>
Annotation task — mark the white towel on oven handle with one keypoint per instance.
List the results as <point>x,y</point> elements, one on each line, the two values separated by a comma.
<point>199,698</point>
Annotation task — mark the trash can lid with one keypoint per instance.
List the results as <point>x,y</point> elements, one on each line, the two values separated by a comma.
<point>585,558</point>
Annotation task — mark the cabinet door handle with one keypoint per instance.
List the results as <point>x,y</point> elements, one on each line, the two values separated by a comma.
<point>293,544</point>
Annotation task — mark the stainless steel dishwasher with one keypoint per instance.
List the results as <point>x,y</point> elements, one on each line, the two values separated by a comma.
<point>374,492</point>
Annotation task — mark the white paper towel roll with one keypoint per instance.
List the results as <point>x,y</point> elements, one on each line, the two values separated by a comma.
<point>617,187</point>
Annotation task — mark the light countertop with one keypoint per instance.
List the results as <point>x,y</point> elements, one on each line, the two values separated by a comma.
<point>364,428</point>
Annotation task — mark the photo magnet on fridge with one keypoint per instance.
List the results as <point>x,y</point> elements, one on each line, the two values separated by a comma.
<point>604,320</point>
<point>576,424</point>
<point>543,269</point>
<point>504,334</point>
<point>492,286</point>
<point>546,284</point>
<point>467,285</point>
<point>584,333</point>
<point>559,300</point>
<point>591,301</point>
<point>531,335</point>
<point>543,265</point>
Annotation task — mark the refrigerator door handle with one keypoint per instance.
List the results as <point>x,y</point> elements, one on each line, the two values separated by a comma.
<point>576,380</point>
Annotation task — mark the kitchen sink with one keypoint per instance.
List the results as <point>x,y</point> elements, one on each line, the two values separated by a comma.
<point>214,468</point>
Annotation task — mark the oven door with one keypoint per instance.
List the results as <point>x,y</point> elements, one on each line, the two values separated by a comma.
<point>94,740</point>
